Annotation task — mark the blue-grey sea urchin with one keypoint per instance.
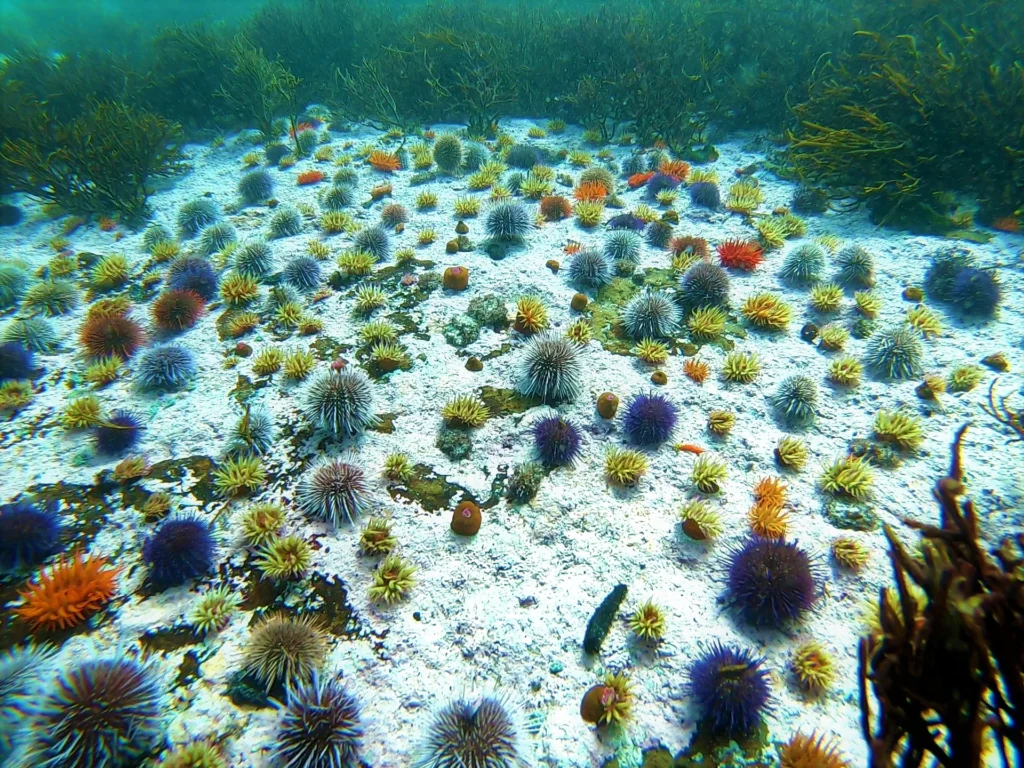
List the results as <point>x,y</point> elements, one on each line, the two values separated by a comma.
<point>255,187</point>
<point>704,285</point>
<point>796,399</point>
<point>303,273</point>
<point>286,222</point>
<point>804,264</point>
<point>216,238</point>
<point>169,366</point>
<point>337,197</point>
<point>341,402</point>
<point>651,315</point>
<point>254,259</point>
<point>253,432</point>
<point>196,214</point>
<point>285,649</point>
<point>622,245</point>
<point>373,240</point>
<point>550,369</point>
<point>320,726</point>
<point>22,670</point>
<point>895,353</point>
<point>333,491</point>
<point>471,734</point>
<point>509,221</point>
<point>590,268</point>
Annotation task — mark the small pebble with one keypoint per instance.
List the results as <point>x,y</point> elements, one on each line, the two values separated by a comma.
<point>242,349</point>
<point>462,228</point>
<point>579,302</point>
<point>913,293</point>
<point>660,378</point>
<point>474,364</point>
<point>553,265</point>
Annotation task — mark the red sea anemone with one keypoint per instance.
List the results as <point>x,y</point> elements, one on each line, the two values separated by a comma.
<point>740,254</point>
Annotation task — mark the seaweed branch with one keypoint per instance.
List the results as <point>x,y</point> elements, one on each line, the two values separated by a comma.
<point>947,666</point>
<point>1003,413</point>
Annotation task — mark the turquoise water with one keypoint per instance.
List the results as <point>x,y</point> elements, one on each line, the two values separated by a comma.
<point>489,385</point>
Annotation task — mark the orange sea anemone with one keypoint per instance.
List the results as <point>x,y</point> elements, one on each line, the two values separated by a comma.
<point>696,370</point>
<point>590,190</point>
<point>677,169</point>
<point>740,254</point>
<point>67,593</point>
<point>300,128</point>
<point>770,490</point>
<point>639,179</point>
<point>768,520</point>
<point>107,224</point>
<point>310,177</point>
<point>383,161</point>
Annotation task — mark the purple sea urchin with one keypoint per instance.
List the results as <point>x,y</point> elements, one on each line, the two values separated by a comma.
<point>16,361</point>
<point>731,688</point>
<point>771,581</point>
<point>29,533</point>
<point>649,419</point>
<point>118,433</point>
<point>181,549</point>
<point>557,441</point>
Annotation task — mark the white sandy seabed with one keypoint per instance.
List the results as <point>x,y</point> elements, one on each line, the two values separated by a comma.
<point>506,610</point>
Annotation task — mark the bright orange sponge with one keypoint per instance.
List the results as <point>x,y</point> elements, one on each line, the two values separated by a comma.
<point>67,593</point>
